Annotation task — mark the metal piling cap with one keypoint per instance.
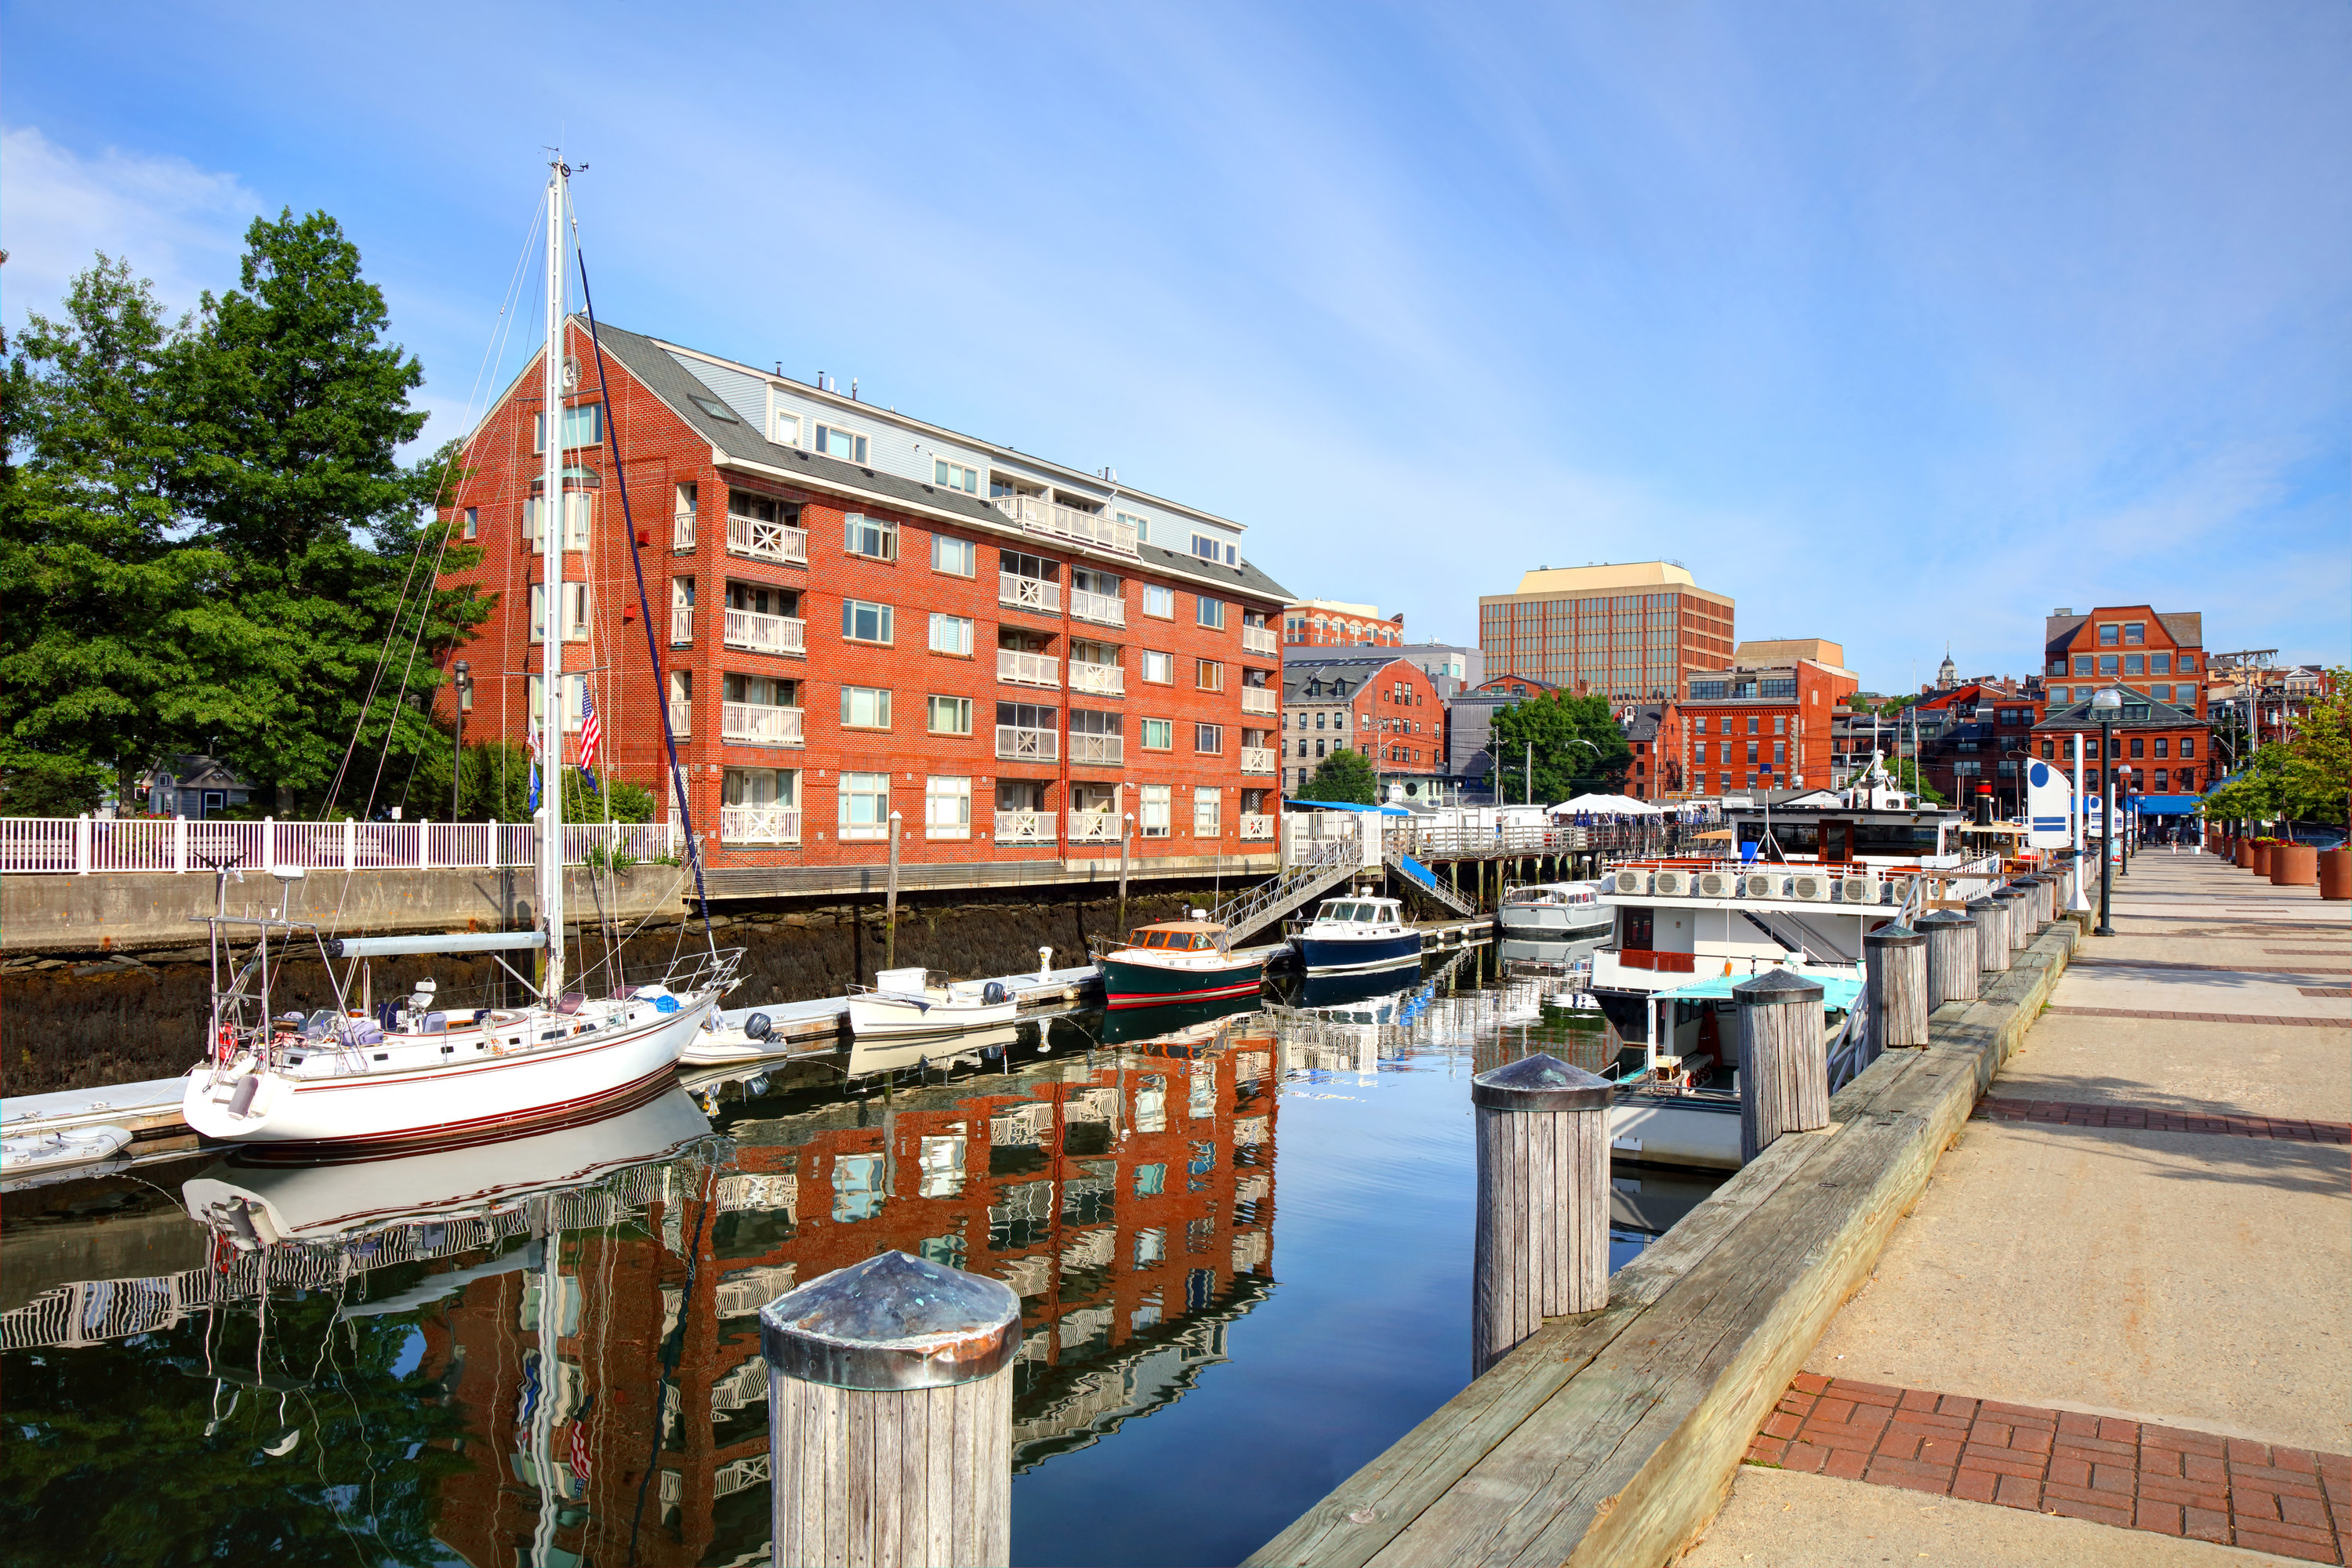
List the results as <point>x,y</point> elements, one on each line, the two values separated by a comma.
<point>894,1322</point>
<point>1777,986</point>
<point>1894,935</point>
<point>1540,1082</point>
<point>1982,905</point>
<point>1947,918</point>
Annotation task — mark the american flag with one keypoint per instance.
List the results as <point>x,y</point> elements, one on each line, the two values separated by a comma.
<point>591,731</point>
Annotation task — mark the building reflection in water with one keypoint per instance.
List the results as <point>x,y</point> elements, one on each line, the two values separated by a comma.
<point>568,1324</point>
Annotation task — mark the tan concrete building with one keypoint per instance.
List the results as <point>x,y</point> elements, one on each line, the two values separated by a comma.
<point>1631,631</point>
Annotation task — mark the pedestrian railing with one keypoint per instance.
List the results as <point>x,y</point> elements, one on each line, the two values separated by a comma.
<point>79,846</point>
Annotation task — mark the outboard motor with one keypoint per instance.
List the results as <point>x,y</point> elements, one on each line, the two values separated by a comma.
<point>757,1027</point>
<point>995,991</point>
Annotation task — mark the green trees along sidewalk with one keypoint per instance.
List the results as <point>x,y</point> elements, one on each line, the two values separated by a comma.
<point>209,542</point>
<point>1577,749</point>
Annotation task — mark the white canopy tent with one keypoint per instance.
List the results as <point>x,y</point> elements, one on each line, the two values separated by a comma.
<point>1606,805</point>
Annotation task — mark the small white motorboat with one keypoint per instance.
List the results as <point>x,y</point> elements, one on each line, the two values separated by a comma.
<point>24,1155</point>
<point>906,1002</point>
<point>720,1042</point>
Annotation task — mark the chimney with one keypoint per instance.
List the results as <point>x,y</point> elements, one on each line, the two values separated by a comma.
<point>2061,610</point>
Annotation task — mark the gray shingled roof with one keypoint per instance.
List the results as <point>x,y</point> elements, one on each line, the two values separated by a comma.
<point>2082,716</point>
<point>668,380</point>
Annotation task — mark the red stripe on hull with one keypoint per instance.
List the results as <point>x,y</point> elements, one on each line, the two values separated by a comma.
<point>463,1134</point>
<point>1159,998</point>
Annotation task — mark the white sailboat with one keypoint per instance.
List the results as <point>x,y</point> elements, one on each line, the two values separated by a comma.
<point>347,1083</point>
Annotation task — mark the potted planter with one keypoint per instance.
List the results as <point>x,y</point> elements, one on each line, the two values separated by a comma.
<point>2334,873</point>
<point>2243,853</point>
<point>2261,863</point>
<point>2295,866</point>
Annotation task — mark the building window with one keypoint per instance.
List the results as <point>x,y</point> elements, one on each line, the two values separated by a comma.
<point>955,476</point>
<point>2135,633</point>
<point>866,805</point>
<point>835,442</point>
<point>1206,800</point>
<point>2188,746</point>
<point>1208,675</point>
<point>947,808</point>
<point>583,425</point>
<point>1160,669</point>
<point>865,708</point>
<point>951,634</point>
<point>2082,664</point>
<point>1209,739</point>
<point>2135,664</point>
<point>1141,525</point>
<point>681,518</point>
<point>1751,754</point>
<point>2110,633</point>
<point>1211,611</point>
<point>1159,735</point>
<point>949,715</point>
<point>1699,725</point>
<point>2161,663</point>
<point>1779,723</point>
<point>2163,746</point>
<point>2137,744</point>
<point>1319,747</point>
<point>1151,810</point>
<point>473,516</point>
<point>2107,666</point>
<point>2049,749</point>
<point>2188,664</point>
<point>2158,784</point>
<point>1158,601</point>
<point>957,557</point>
<point>788,430</point>
<point>870,536</point>
<point>864,622</point>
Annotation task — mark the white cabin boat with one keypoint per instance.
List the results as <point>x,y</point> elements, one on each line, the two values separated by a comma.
<point>1552,911</point>
<point>906,1002</point>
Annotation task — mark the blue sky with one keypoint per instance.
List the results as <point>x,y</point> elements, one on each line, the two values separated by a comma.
<point>1900,323</point>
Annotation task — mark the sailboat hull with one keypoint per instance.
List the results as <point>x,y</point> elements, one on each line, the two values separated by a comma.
<point>371,1115</point>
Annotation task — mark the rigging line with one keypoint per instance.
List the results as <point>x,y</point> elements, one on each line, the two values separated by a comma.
<point>392,630</point>
<point>644,607</point>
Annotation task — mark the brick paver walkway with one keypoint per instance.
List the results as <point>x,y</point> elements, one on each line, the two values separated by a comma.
<point>2166,963</point>
<point>2291,1501</point>
<point>2260,1018</point>
<point>2155,1119</point>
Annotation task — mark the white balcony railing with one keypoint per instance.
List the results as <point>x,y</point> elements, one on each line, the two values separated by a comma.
<point>1028,592</point>
<point>760,823</point>
<point>1261,700</point>
<point>766,540</point>
<point>1104,609</point>
<point>1028,669</point>
<point>1094,828</point>
<point>1041,516</point>
<point>1106,680</point>
<point>761,724</point>
<point>1260,639</point>
<point>766,634</point>
<point>681,719</point>
<point>1255,824</point>
<point>682,530</point>
<point>71,846</point>
<point>1025,826</point>
<point>1099,750</point>
<point>1257,760</point>
<point>681,622</point>
<point>1017,744</point>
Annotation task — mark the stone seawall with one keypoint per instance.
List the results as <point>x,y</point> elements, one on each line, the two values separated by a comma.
<point>104,1018</point>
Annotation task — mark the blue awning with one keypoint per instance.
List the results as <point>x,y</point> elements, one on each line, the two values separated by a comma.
<point>1343,805</point>
<point>1838,994</point>
<point>2167,805</point>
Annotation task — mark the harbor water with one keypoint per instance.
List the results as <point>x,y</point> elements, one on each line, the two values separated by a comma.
<point>1241,1243</point>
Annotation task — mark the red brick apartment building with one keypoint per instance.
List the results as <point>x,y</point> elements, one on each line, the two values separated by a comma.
<point>1388,709</point>
<point>2158,655</point>
<point>2159,748</point>
<point>1327,623</point>
<point>857,614</point>
<point>1776,715</point>
<point>1654,732</point>
<point>1129,1205</point>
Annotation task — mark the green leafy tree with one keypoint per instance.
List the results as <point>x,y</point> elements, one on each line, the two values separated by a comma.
<point>1905,774</point>
<point>2319,757</point>
<point>494,785</point>
<point>1578,747</point>
<point>293,409</point>
<point>1345,777</point>
<point>2262,793</point>
<point>122,640</point>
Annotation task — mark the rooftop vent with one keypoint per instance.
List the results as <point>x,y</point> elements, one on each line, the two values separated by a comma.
<point>2061,610</point>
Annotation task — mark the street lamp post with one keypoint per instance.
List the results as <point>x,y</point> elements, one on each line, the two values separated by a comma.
<point>463,684</point>
<point>2106,704</point>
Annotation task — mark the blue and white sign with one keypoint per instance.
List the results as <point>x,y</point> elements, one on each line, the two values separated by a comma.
<point>2049,806</point>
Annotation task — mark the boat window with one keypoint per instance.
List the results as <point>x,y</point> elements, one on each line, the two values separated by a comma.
<point>1155,939</point>
<point>1200,940</point>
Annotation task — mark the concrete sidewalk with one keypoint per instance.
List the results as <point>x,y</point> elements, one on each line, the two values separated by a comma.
<point>2162,1315</point>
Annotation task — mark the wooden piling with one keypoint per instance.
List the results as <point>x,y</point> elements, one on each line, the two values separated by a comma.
<point>1993,934</point>
<point>2017,906</point>
<point>1896,975</point>
<point>1951,956</point>
<point>1784,1068</point>
<point>1543,1201</point>
<point>890,1415</point>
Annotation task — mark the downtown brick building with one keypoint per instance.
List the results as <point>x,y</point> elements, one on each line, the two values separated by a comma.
<point>1329,623</point>
<point>1632,632</point>
<point>2158,655</point>
<point>857,614</point>
<point>1387,707</point>
<point>1765,721</point>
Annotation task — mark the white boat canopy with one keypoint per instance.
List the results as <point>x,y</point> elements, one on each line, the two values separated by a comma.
<point>1606,804</point>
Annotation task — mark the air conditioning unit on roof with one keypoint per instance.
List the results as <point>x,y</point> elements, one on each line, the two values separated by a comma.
<point>1629,882</point>
<point>1855,890</point>
<point>1756,884</point>
<point>1810,886</point>
<point>1716,884</point>
<point>1673,884</point>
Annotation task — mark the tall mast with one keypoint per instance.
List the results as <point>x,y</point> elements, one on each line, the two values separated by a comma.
<point>550,542</point>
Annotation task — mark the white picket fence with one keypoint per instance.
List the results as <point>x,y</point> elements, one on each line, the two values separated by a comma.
<point>77,846</point>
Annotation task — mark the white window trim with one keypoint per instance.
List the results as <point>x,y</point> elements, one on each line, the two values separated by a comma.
<point>972,554</point>
<point>889,526</point>
<point>818,428</point>
<point>939,618</point>
<point>860,831</point>
<point>1143,736</point>
<point>969,708</point>
<point>932,826</point>
<point>1148,655</point>
<point>939,462</point>
<point>889,615</point>
<point>887,705</point>
<point>1151,588</point>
